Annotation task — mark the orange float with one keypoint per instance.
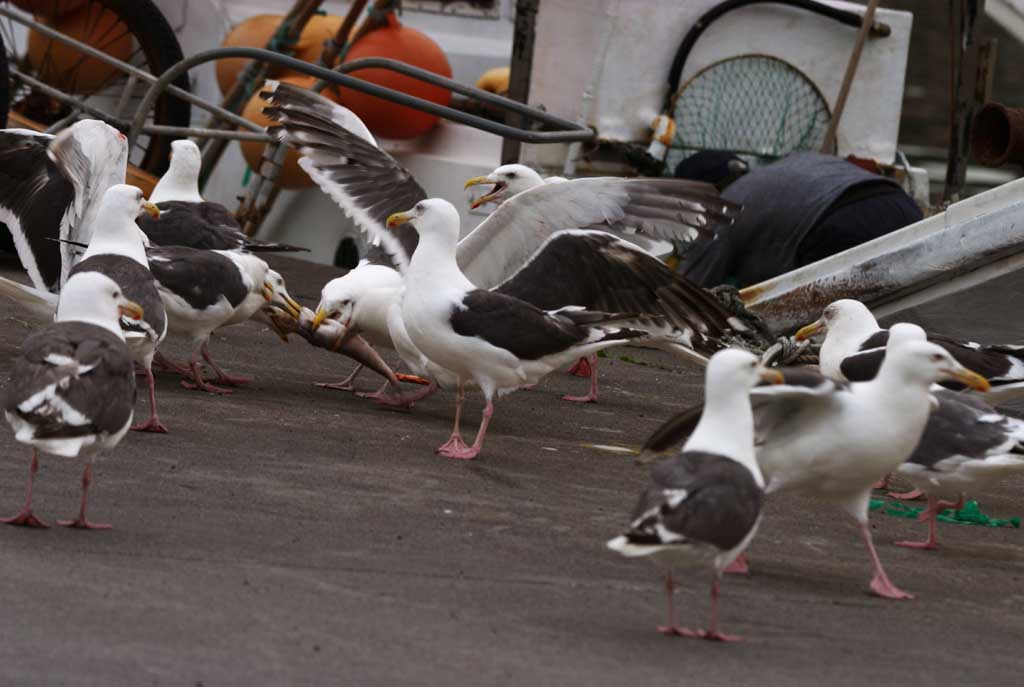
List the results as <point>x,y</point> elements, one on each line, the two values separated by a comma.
<point>256,31</point>
<point>405,44</point>
<point>66,68</point>
<point>291,175</point>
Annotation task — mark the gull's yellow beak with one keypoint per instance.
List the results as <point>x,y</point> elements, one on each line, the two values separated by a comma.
<point>810,330</point>
<point>321,314</point>
<point>398,219</point>
<point>969,378</point>
<point>131,309</point>
<point>294,308</point>
<point>476,181</point>
<point>151,209</point>
<point>770,376</point>
<point>268,291</point>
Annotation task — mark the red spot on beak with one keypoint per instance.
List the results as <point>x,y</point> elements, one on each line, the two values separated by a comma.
<point>122,136</point>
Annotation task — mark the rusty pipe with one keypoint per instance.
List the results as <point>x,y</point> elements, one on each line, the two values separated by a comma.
<point>998,135</point>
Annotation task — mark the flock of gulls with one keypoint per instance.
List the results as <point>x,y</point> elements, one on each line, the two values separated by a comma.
<point>560,270</point>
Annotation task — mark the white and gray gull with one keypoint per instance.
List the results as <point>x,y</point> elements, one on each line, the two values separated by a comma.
<point>187,219</point>
<point>72,388</point>
<point>500,342</point>
<point>703,505</point>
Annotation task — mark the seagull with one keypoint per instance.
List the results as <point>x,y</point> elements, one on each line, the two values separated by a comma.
<point>498,341</point>
<point>117,251</point>
<point>966,446</point>
<point>203,290</point>
<point>703,505</point>
<point>854,347</point>
<point>832,438</point>
<point>186,219</point>
<point>71,390</point>
<point>516,242</point>
<point>50,189</point>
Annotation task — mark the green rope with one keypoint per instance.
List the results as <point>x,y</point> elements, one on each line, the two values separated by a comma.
<point>970,514</point>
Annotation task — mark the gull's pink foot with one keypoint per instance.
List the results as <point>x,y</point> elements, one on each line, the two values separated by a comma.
<point>883,587</point>
<point>396,401</point>
<point>203,385</point>
<point>882,483</point>
<point>232,380</point>
<point>335,386</point>
<point>589,398</point>
<point>676,631</point>
<point>716,636</point>
<point>739,566</point>
<point>25,519</point>
<point>581,368</point>
<point>468,453</point>
<point>927,544</point>
<point>153,424</point>
<point>455,442</point>
<point>911,495</point>
<point>83,524</point>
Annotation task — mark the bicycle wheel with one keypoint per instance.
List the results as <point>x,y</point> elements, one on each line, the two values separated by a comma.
<point>134,31</point>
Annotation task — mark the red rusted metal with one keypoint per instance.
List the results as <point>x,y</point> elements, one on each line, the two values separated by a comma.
<point>998,135</point>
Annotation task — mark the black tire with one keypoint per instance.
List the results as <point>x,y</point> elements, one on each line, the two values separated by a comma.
<point>161,49</point>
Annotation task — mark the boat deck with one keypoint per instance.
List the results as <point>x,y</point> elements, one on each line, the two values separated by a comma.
<point>288,535</point>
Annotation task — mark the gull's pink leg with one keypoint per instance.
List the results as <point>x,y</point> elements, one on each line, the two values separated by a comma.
<point>671,628</point>
<point>882,483</point>
<point>935,506</point>
<point>82,522</point>
<point>880,583</point>
<point>401,399</point>
<point>222,376</point>
<point>343,385</point>
<point>739,566</point>
<point>592,396</point>
<point>911,495</point>
<point>455,442</point>
<point>581,368</point>
<point>473,451</point>
<point>153,424</point>
<point>712,632</point>
<point>198,383</point>
<point>25,518</point>
<point>164,364</point>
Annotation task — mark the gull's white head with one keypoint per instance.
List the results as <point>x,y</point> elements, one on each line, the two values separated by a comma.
<point>115,230</point>
<point>905,331</point>
<point>735,369</point>
<point>433,217</point>
<point>923,363</point>
<point>508,180</point>
<point>845,318</point>
<point>181,181</point>
<point>95,298</point>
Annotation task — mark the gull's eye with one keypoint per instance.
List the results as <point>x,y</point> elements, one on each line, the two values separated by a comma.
<point>419,207</point>
<point>938,357</point>
<point>511,175</point>
<point>753,364</point>
<point>115,295</point>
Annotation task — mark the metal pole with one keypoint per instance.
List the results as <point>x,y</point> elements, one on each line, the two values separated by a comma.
<point>964,15</point>
<point>523,37</point>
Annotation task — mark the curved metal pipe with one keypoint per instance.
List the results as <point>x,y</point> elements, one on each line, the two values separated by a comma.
<point>570,132</point>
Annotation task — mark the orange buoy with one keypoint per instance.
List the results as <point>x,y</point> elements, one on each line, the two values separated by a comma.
<point>51,9</point>
<point>291,175</point>
<point>256,31</point>
<point>406,44</point>
<point>66,68</point>
<point>495,80</point>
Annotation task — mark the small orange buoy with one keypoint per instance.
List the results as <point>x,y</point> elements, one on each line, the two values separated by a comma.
<point>495,80</point>
<point>291,175</point>
<point>66,68</point>
<point>256,31</point>
<point>408,45</point>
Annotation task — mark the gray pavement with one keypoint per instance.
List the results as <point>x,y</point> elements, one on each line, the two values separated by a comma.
<point>288,535</point>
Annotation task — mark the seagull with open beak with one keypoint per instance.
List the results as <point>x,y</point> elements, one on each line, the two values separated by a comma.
<point>507,180</point>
